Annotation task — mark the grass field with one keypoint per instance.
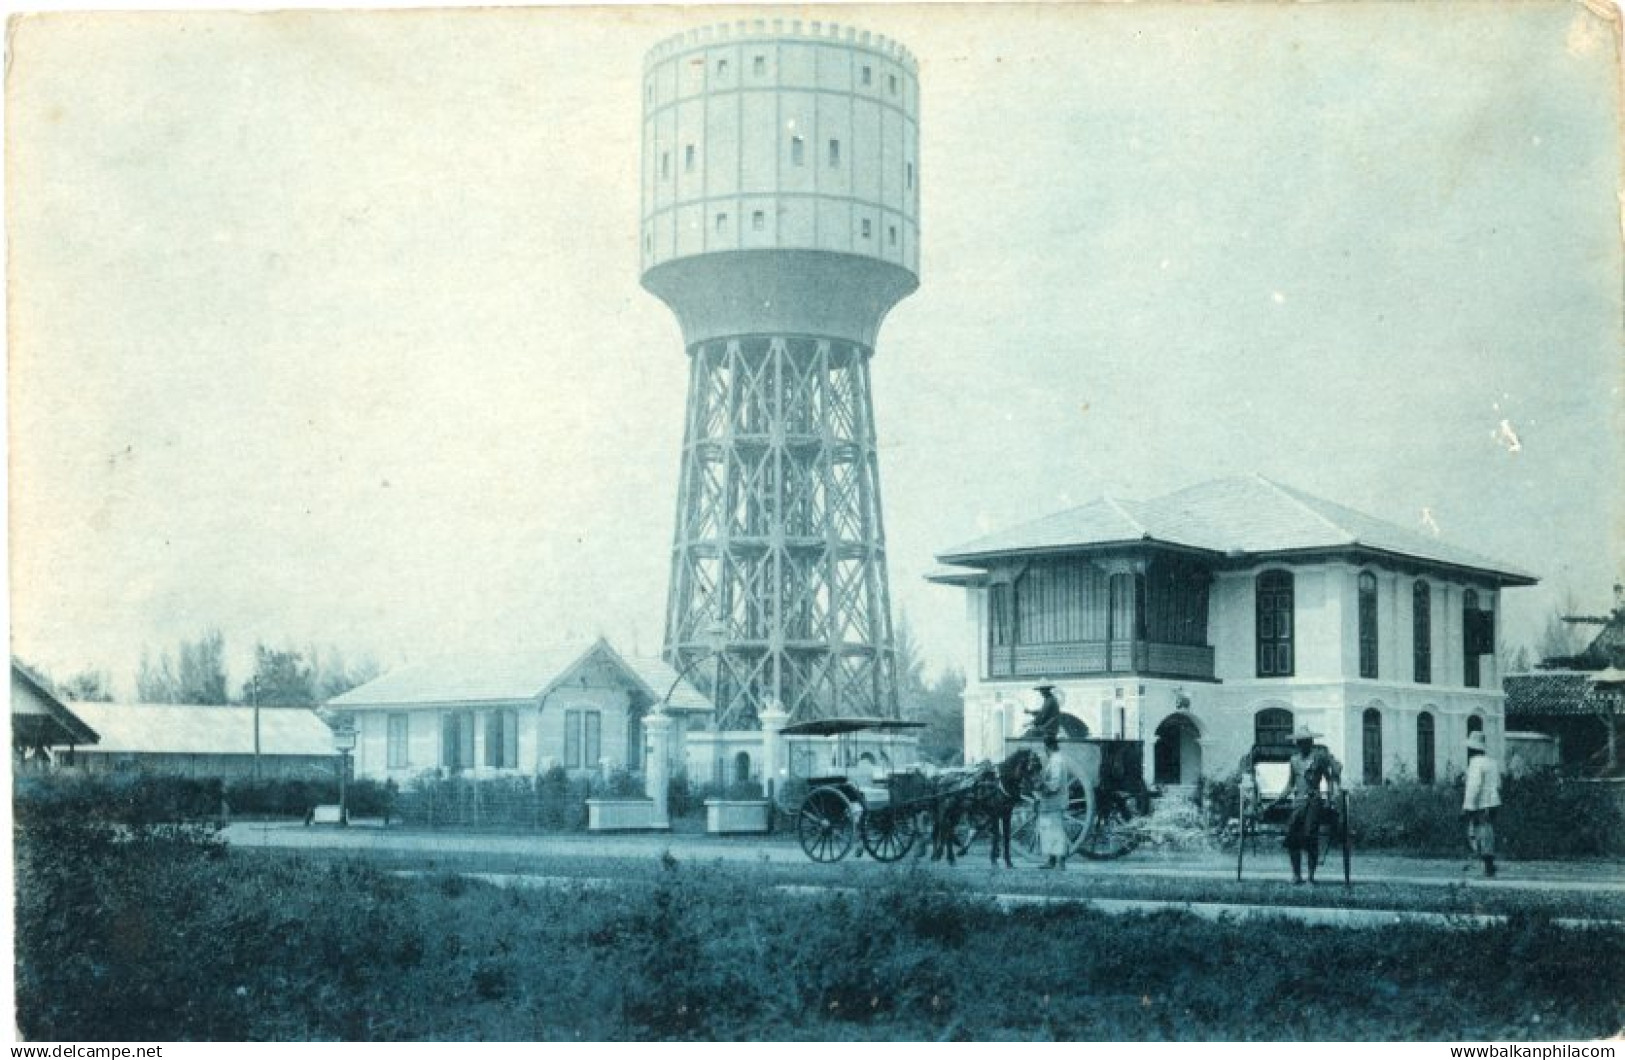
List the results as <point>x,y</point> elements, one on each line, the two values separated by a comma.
<point>150,935</point>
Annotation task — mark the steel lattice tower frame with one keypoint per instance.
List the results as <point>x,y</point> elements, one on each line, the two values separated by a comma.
<point>780,268</point>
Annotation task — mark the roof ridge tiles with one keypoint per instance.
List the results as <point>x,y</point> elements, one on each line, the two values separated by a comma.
<point>1298,500</point>
<point>1118,507</point>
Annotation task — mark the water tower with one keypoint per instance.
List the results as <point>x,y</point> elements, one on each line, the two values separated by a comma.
<point>780,222</point>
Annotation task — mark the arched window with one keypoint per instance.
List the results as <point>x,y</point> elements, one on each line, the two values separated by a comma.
<point>1272,727</point>
<point>1424,747</point>
<point>1475,723</point>
<point>1275,624</point>
<point>1469,623</point>
<point>1368,624</point>
<point>1422,631</point>
<point>742,767</point>
<point>1371,744</point>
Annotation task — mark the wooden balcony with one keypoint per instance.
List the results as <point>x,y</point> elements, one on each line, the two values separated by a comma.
<point>1082,658</point>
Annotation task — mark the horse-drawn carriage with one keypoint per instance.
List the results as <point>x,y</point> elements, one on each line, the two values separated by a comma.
<point>838,797</point>
<point>832,804</point>
<point>1108,795</point>
<point>1264,808</point>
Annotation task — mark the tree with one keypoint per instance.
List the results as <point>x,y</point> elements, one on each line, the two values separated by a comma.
<point>911,687</point>
<point>943,738</point>
<point>88,686</point>
<point>202,670</point>
<point>199,677</point>
<point>1563,640</point>
<point>333,676</point>
<point>939,704</point>
<point>155,682</point>
<point>281,679</point>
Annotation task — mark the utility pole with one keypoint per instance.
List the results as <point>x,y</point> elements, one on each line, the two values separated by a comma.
<point>254,698</point>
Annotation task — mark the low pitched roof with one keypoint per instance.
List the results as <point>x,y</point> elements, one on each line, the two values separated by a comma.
<point>1243,516</point>
<point>39,718</point>
<point>513,678</point>
<point>167,728</point>
<point>1555,693</point>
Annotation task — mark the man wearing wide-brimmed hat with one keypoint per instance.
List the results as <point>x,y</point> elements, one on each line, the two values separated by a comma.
<point>1047,718</point>
<point>1481,799</point>
<point>1312,765</point>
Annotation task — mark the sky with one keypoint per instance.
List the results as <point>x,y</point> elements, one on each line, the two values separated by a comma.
<point>326,328</point>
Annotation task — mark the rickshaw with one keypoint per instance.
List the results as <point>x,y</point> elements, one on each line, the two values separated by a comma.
<point>1265,776</point>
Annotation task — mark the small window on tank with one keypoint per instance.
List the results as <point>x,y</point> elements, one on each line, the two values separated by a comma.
<point>891,83</point>
<point>868,75</point>
<point>834,153</point>
<point>798,151</point>
<point>908,168</point>
<point>722,68</point>
<point>758,220</point>
<point>648,244</point>
<point>865,228</point>
<point>688,158</point>
<point>722,222</point>
<point>891,234</point>
<point>758,66</point>
<point>649,96</point>
<point>665,164</point>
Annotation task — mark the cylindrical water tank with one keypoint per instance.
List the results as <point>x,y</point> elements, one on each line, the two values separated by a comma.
<point>780,178</point>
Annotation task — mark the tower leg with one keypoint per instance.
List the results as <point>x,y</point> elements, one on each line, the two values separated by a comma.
<point>779,536</point>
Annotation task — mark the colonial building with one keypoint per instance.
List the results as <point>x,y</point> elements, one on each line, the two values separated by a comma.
<point>582,709</point>
<point>1229,613</point>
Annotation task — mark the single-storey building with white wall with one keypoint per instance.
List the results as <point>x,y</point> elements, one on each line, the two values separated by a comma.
<point>577,707</point>
<point>207,741</point>
<point>1226,614</point>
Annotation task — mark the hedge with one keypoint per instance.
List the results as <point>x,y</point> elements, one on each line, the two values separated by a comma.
<point>1543,815</point>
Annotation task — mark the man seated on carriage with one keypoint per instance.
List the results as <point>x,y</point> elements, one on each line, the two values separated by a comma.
<point>1311,765</point>
<point>1046,721</point>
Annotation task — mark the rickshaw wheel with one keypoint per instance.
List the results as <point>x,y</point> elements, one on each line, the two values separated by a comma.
<point>886,834</point>
<point>825,825</point>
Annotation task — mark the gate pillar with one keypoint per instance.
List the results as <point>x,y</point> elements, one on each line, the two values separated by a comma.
<point>657,768</point>
<point>773,718</point>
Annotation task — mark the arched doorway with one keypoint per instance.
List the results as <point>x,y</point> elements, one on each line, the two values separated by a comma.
<point>1177,754</point>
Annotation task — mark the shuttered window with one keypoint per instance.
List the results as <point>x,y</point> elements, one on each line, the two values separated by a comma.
<point>1275,624</point>
<point>1368,625</point>
<point>582,739</point>
<point>1422,631</point>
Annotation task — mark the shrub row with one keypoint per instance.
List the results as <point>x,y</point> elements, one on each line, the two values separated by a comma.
<point>147,935</point>
<point>1543,815</point>
<point>556,801</point>
<point>150,798</point>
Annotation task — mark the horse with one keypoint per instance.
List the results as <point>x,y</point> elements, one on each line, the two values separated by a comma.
<point>993,793</point>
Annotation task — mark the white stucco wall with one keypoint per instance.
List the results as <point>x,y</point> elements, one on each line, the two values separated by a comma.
<point>1325,691</point>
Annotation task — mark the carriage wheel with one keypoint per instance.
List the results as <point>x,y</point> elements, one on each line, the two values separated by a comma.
<point>1111,835</point>
<point>825,826</point>
<point>886,834</point>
